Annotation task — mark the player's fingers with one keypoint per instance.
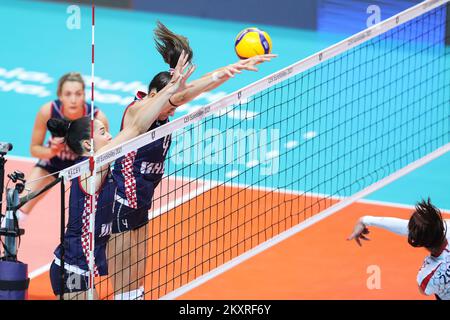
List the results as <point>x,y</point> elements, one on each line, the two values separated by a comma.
<point>250,68</point>
<point>235,70</point>
<point>176,77</point>
<point>228,72</point>
<point>190,71</point>
<point>364,238</point>
<point>264,59</point>
<point>180,61</point>
<point>185,67</point>
<point>186,58</point>
<point>352,236</point>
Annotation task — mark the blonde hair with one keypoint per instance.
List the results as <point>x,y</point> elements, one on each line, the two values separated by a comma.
<point>71,76</point>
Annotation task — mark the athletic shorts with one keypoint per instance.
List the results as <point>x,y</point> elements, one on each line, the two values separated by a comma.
<point>73,282</point>
<point>126,218</point>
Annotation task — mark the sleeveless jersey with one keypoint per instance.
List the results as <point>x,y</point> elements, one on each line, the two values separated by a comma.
<point>76,238</point>
<point>139,172</point>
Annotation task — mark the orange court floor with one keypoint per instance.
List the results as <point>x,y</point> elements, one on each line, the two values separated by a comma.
<point>316,263</point>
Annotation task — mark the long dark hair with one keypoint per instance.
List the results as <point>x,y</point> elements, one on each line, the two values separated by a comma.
<point>159,81</point>
<point>426,228</point>
<point>170,45</point>
<point>73,132</point>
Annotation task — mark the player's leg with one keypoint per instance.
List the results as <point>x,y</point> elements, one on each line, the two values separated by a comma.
<point>138,258</point>
<point>130,264</point>
<point>119,263</point>
<point>126,252</point>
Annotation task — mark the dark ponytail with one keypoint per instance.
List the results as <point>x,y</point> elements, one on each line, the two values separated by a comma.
<point>74,132</point>
<point>426,228</point>
<point>170,45</point>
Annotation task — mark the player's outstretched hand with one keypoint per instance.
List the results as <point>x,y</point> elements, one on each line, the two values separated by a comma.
<point>253,61</point>
<point>359,232</point>
<point>247,64</point>
<point>181,74</point>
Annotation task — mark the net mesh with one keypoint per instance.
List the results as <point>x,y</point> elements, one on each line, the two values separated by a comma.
<point>254,169</point>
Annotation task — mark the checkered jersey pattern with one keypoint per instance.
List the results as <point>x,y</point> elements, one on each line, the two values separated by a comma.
<point>86,236</point>
<point>129,179</point>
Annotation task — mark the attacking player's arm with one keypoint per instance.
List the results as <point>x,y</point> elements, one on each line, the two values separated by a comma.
<point>395,225</point>
<point>39,131</point>
<point>217,77</point>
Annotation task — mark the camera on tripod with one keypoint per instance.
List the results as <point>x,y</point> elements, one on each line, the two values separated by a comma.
<point>14,279</point>
<point>11,226</point>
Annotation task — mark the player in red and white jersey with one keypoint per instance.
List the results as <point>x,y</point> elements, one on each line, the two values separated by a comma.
<point>426,228</point>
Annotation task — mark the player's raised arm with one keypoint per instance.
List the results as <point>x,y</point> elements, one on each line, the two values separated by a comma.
<point>395,225</point>
<point>218,77</point>
<point>150,109</point>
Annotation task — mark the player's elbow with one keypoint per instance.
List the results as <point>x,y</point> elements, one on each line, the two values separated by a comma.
<point>33,151</point>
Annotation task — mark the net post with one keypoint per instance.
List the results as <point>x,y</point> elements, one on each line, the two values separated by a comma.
<point>91,230</point>
<point>92,178</point>
<point>63,222</point>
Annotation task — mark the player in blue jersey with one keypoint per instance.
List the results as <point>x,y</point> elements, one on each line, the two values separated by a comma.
<point>76,135</point>
<point>55,155</point>
<point>139,172</point>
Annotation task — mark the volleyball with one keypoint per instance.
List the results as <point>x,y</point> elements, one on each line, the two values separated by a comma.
<point>251,42</point>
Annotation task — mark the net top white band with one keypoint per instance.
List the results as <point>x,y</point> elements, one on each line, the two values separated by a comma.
<point>256,87</point>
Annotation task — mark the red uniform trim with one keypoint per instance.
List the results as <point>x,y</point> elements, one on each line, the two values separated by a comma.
<point>139,95</point>
<point>425,281</point>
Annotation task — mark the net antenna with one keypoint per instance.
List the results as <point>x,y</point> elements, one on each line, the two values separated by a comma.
<point>93,170</point>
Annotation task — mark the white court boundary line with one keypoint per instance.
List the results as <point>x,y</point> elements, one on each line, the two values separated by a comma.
<point>36,273</point>
<point>258,86</point>
<point>307,223</point>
